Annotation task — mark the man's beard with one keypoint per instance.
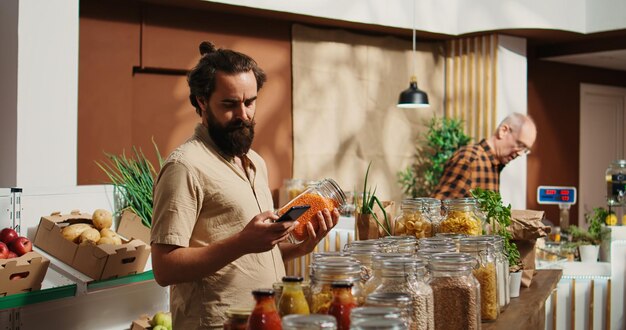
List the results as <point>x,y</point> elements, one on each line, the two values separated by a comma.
<point>233,139</point>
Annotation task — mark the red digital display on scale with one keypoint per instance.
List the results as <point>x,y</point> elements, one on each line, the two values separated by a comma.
<point>565,198</point>
<point>550,192</point>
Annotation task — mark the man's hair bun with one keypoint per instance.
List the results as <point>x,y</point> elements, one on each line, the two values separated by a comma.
<point>206,47</point>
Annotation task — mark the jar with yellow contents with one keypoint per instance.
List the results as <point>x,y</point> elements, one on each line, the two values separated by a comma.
<point>461,217</point>
<point>412,221</point>
<point>324,273</point>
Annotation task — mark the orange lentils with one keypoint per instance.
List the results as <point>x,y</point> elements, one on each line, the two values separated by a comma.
<point>317,203</point>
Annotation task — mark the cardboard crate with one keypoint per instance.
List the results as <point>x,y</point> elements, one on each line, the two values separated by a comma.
<point>96,261</point>
<point>142,323</point>
<point>31,269</point>
<point>132,227</point>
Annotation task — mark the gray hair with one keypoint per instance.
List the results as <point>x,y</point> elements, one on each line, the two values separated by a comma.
<point>516,120</point>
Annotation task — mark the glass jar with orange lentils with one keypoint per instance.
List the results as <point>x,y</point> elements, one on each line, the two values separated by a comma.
<point>325,194</point>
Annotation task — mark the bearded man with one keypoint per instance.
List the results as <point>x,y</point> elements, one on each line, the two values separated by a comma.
<point>214,238</point>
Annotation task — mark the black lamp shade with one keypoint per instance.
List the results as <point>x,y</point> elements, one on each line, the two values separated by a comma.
<point>413,97</point>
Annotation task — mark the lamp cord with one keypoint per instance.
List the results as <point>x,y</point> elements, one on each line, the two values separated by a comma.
<point>414,56</point>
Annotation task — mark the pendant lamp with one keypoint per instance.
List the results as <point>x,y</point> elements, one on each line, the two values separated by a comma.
<point>413,97</point>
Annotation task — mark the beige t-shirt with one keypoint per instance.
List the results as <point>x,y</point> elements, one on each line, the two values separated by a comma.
<point>200,198</point>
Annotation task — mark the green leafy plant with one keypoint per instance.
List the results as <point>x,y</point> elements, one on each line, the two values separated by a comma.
<point>369,201</point>
<point>133,178</point>
<point>432,150</point>
<point>593,235</point>
<point>499,218</point>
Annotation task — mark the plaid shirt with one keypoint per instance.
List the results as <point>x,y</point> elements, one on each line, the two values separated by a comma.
<point>469,167</point>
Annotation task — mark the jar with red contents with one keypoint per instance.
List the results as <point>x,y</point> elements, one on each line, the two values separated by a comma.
<point>325,194</point>
<point>264,315</point>
<point>342,304</point>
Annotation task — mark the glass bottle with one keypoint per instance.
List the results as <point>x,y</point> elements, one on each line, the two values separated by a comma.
<point>292,300</point>
<point>325,272</point>
<point>411,221</point>
<point>325,194</point>
<point>456,291</point>
<point>461,217</point>
<point>264,316</point>
<point>237,319</point>
<point>373,313</point>
<point>343,302</point>
<point>407,275</point>
<point>483,250</point>
<point>309,322</point>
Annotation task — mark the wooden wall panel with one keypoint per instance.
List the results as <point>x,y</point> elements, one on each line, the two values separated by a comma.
<point>118,109</point>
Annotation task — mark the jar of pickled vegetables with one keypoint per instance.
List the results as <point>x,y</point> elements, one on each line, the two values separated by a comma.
<point>325,194</point>
<point>292,299</point>
<point>461,217</point>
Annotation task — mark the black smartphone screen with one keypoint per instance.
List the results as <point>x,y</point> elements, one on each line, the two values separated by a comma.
<point>293,213</point>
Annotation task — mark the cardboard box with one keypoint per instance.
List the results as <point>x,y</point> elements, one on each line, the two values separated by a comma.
<point>132,227</point>
<point>142,323</point>
<point>96,261</point>
<point>28,271</point>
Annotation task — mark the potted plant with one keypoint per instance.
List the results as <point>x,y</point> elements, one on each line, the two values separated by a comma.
<point>443,138</point>
<point>368,219</point>
<point>588,241</point>
<point>498,219</point>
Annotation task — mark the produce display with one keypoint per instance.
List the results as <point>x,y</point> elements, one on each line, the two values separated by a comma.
<point>161,321</point>
<point>99,232</point>
<point>12,245</point>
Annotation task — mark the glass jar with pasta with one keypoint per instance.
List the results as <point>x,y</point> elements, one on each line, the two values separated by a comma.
<point>482,248</point>
<point>461,217</point>
<point>412,221</point>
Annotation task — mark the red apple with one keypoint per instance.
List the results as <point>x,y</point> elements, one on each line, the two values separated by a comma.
<point>21,246</point>
<point>12,255</point>
<point>4,251</point>
<point>7,235</point>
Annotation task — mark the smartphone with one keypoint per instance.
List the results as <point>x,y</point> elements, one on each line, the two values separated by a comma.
<point>293,213</point>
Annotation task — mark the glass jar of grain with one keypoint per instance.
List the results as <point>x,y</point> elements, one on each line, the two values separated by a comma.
<point>456,291</point>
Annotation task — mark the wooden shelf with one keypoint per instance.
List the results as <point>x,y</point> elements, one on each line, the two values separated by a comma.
<point>528,310</point>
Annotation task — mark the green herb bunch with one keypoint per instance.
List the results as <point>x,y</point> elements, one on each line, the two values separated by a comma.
<point>499,217</point>
<point>133,178</point>
<point>432,151</point>
<point>370,200</point>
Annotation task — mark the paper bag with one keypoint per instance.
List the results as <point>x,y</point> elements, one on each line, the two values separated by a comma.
<point>526,227</point>
<point>368,228</point>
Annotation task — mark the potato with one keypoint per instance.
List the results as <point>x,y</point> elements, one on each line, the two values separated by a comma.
<point>102,219</point>
<point>106,232</point>
<point>91,235</point>
<point>106,240</point>
<point>73,232</point>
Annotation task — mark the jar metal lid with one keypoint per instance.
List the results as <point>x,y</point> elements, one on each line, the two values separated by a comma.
<point>319,321</point>
<point>293,279</point>
<point>263,292</point>
<point>375,312</point>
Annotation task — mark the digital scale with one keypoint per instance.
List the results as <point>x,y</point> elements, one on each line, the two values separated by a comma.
<point>562,196</point>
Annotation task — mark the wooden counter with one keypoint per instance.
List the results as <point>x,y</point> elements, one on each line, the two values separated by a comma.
<point>528,310</point>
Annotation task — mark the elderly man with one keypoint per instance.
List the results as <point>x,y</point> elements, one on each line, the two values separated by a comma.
<point>479,165</point>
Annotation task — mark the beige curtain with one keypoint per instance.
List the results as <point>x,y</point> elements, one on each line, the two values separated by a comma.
<point>345,90</point>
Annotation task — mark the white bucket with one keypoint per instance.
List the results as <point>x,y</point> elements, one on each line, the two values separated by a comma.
<point>589,253</point>
<point>515,281</point>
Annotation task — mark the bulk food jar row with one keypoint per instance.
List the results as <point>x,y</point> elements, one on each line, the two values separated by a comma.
<point>396,282</point>
<point>436,272</point>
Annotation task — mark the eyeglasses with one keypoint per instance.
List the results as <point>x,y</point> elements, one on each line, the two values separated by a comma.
<point>521,146</point>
